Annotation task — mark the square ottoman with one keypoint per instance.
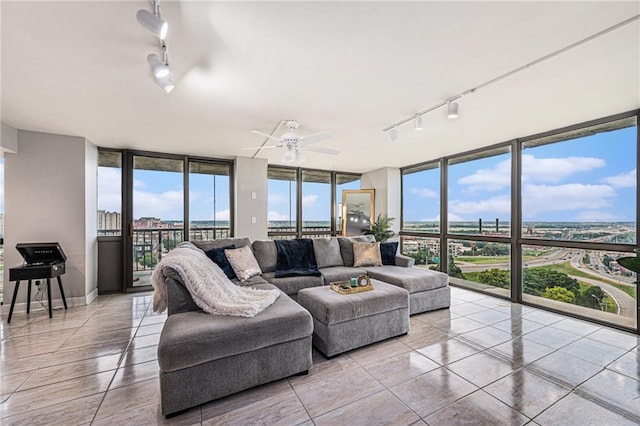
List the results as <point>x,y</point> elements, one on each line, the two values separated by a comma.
<point>428,290</point>
<point>342,322</point>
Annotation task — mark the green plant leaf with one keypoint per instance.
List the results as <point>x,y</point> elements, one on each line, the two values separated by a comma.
<point>630,263</point>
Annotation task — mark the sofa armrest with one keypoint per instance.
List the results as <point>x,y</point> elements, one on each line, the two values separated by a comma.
<point>406,261</point>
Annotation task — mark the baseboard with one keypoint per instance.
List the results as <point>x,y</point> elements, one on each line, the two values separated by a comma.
<point>91,296</point>
<point>35,306</point>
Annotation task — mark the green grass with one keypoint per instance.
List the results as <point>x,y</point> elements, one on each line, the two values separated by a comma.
<point>483,260</point>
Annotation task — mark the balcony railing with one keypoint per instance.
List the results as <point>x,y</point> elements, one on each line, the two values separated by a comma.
<point>149,245</point>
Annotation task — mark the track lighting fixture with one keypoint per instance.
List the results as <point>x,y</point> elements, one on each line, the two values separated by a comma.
<point>159,68</point>
<point>418,123</point>
<point>393,133</point>
<point>152,22</point>
<point>452,110</point>
<point>453,107</point>
<point>159,64</point>
<point>165,83</point>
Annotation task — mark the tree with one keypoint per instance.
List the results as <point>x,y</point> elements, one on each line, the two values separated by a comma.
<point>454,271</point>
<point>559,293</point>
<point>591,297</point>
<point>148,260</point>
<point>419,256</point>
<point>496,277</point>
<point>536,280</point>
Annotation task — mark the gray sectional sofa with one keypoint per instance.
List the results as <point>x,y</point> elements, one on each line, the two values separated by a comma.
<point>204,357</point>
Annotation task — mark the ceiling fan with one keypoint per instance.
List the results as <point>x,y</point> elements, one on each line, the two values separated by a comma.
<point>294,144</point>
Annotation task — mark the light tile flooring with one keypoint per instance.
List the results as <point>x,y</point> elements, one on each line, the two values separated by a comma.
<point>485,361</point>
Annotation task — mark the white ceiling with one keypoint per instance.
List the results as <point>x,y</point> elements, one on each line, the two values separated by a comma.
<point>349,68</point>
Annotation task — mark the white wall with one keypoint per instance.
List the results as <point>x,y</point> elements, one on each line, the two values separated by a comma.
<point>91,220</point>
<point>50,195</point>
<point>250,180</point>
<point>386,182</point>
<point>8,138</point>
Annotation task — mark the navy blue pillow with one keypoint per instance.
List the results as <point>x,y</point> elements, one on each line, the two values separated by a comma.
<point>220,259</point>
<point>388,253</point>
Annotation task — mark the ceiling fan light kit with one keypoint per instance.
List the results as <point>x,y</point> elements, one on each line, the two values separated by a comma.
<point>159,65</point>
<point>295,144</point>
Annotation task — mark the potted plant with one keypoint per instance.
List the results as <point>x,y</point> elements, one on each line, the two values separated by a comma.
<point>381,228</point>
<point>631,263</point>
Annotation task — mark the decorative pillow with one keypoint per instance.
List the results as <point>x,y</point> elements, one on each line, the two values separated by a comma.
<point>388,253</point>
<point>296,258</point>
<point>243,262</point>
<point>219,258</point>
<point>346,247</point>
<point>366,254</point>
<point>327,251</point>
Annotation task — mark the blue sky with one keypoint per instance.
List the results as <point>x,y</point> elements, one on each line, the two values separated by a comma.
<point>584,180</point>
<point>588,179</point>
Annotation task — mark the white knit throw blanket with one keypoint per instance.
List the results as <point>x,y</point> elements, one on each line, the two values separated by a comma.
<point>209,287</point>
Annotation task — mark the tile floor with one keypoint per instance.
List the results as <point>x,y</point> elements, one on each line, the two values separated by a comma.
<point>485,361</point>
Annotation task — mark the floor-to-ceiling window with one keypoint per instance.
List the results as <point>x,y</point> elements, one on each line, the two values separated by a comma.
<point>541,220</point>
<point>420,222</point>
<point>305,202</point>
<point>479,211</point>
<point>159,200</point>
<point>209,200</point>
<point>579,199</point>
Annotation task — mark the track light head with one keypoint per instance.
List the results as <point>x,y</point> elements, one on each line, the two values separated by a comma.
<point>418,123</point>
<point>165,83</point>
<point>158,67</point>
<point>452,110</point>
<point>393,133</point>
<point>153,23</point>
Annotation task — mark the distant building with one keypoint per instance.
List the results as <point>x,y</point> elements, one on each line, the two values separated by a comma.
<point>149,223</point>
<point>109,221</point>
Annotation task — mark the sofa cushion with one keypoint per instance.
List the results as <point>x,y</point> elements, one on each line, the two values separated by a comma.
<point>243,262</point>
<point>346,247</point>
<point>412,279</point>
<point>209,244</point>
<point>366,254</point>
<point>296,258</point>
<point>340,273</point>
<point>327,251</point>
<point>291,285</point>
<point>388,253</point>
<point>266,255</point>
<point>219,258</point>
<point>193,338</point>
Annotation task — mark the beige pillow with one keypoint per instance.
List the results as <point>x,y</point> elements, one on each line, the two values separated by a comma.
<point>366,254</point>
<point>243,262</point>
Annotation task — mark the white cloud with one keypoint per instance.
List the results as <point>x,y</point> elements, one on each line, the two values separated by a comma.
<point>309,200</point>
<point>423,192</point>
<point>553,170</point>
<point>277,199</point>
<point>273,215</point>
<point>595,216</point>
<point>150,204</point>
<point>223,214</point>
<point>492,179</point>
<point>109,193</point>
<point>451,216</point>
<point>623,180</point>
<point>548,170</point>
<point>495,205</point>
<point>572,196</point>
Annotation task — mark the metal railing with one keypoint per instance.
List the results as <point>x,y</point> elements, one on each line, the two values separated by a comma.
<point>149,245</point>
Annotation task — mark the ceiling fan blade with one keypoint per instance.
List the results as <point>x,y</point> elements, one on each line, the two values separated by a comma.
<point>320,150</point>
<point>266,135</point>
<point>264,147</point>
<point>315,138</point>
